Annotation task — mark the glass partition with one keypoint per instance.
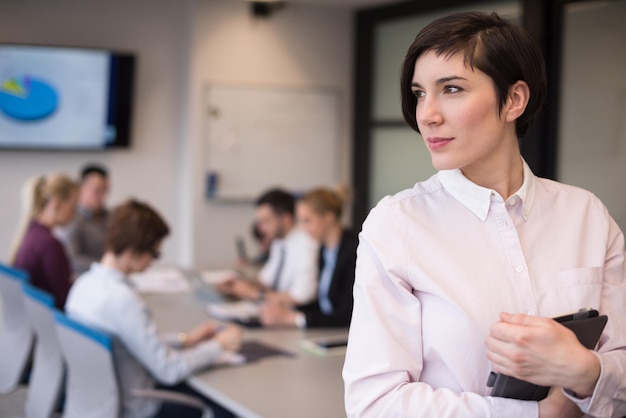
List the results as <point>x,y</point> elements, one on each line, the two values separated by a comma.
<point>398,156</point>
<point>592,122</point>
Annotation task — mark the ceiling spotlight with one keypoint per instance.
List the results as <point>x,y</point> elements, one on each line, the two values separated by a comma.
<point>264,9</point>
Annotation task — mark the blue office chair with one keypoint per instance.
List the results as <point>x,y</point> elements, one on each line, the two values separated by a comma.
<point>92,388</point>
<point>44,386</point>
<point>16,334</point>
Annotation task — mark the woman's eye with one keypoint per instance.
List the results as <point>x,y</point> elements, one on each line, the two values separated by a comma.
<point>418,94</point>
<point>453,89</point>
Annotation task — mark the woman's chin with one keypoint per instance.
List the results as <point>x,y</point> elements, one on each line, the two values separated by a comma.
<point>444,164</point>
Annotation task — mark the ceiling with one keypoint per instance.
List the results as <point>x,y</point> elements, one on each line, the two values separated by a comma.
<point>352,3</point>
<point>357,4</point>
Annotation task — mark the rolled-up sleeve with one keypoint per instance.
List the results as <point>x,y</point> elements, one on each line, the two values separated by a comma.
<point>169,366</point>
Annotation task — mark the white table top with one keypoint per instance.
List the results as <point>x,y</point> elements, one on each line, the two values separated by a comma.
<point>302,386</point>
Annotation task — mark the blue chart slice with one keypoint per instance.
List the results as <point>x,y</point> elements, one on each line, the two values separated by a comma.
<point>27,99</point>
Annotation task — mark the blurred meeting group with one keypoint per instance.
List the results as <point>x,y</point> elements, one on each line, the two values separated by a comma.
<point>82,253</point>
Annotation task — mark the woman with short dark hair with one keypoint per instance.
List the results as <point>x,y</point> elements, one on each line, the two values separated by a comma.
<point>460,275</point>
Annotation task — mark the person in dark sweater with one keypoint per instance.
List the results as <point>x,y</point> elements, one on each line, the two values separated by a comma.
<point>83,237</point>
<point>48,201</point>
<point>319,213</point>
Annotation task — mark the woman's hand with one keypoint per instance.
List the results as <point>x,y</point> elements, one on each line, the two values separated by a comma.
<point>277,313</point>
<point>543,352</point>
<point>282,298</point>
<point>556,405</point>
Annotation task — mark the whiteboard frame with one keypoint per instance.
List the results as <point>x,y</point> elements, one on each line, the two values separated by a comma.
<point>223,193</point>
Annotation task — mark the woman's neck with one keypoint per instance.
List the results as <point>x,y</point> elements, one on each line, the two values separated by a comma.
<point>333,237</point>
<point>505,176</point>
<point>46,219</point>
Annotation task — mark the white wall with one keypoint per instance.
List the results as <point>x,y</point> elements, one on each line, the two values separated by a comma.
<point>181,46</point>
<point>158,35</point>
<point>298,46</point>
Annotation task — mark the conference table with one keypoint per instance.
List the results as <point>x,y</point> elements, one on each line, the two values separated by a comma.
<point>301,384</point>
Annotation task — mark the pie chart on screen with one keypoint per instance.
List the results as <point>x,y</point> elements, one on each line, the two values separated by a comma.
<point>27,98</point>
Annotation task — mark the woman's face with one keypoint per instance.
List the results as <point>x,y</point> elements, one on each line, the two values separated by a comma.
<point>457,114</point>
<point>312,222</point>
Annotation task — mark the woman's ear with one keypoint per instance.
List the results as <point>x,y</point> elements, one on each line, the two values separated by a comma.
<point>519,94</point>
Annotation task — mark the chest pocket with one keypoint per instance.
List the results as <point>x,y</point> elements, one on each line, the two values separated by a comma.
<point>582,287</point>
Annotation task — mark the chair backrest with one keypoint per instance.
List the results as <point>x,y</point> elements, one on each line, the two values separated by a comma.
<point>91,390</point>
<point>46,378</point>
<point>16,334</point>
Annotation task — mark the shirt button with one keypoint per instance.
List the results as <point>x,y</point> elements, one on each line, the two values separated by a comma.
<point>519,269</point>
<point>531,312</point>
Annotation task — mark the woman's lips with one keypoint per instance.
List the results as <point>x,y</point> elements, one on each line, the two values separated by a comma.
<point>437,143</point>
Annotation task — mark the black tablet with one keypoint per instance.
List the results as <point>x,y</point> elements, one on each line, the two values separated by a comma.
<point>586,324</point>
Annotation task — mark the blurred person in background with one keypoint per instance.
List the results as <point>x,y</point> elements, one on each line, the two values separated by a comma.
<point>84,236</point>
<point>47,202</point>
<point>104,297</point>
<point>319,214</point>
<point>290,273</point>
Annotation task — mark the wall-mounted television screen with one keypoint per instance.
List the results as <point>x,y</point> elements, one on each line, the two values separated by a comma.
<point>65,98</point>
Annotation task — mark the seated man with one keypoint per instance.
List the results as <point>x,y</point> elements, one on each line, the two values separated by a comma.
<point>103,297</point>
<point>319,214</point>
<point>290,273</point>
<point>84,236</point>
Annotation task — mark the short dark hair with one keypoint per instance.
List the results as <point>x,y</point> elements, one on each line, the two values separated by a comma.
<point>134,226</point>
<point>498,47</point>
<point>281,201</point>
<point>93,169</point>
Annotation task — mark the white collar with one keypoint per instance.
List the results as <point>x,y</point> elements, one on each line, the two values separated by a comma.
<point>478,199</point>
<point>114,274</point>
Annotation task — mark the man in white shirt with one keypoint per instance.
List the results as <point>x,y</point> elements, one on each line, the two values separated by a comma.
<point>290,273</point>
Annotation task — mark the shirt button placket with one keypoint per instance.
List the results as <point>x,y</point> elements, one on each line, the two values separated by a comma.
<point>513,249</point>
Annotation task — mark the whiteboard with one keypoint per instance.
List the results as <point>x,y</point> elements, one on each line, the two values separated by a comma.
<point>259,137</point>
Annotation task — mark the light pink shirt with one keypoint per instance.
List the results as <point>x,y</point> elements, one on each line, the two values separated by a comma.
<point>437,264</point>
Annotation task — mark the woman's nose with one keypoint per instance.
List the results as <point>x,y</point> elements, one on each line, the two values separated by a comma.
<point>428,111</point>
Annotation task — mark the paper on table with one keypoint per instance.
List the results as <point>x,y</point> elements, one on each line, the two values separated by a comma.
<point>214,277</point>
<point>230,358</point>
<point>241,310</point>
<point>160,280</point>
